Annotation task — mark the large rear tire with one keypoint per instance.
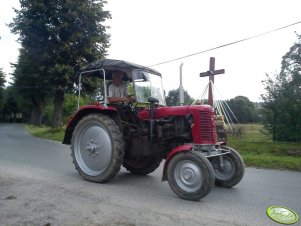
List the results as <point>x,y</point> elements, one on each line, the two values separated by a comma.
<point>190,175</point>
<point>142,166</point>
<point>97,148</point>
<point>233,170</point>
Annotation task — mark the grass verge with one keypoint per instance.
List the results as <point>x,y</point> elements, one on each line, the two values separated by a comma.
<point>270,155</point>
<point>273,162</point>
<point>46,132</point>
<point>258,150</point>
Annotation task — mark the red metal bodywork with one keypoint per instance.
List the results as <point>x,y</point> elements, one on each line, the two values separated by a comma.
<point>185,147</point>
<point>182,148</point>
<point>203,126</point>
<point>85,108</point>
<point>83,111</point>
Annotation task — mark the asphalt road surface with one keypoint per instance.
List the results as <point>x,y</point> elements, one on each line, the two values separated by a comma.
<point>39,186</point>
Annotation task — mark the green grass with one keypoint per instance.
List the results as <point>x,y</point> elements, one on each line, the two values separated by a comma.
<point>46,132</point>
<point>252,133</point>
<point>258,149</point>
<point>273,162</point>
<point>255,146</point>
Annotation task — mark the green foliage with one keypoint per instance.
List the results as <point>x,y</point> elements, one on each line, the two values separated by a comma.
<point>143,93</point>
<point>59,37</point>
<point>92,87</point>
<point>282,101</point>
<point>173,99</point>
<point>70,104</point>
<point>31,84</point>
<point>131,90</point>
<point>242,108</point>
<point>2,78</point>
<point>12,104</point>
<point>45,132</point>
<point>2,82</point>
<point>273,162</point>
<point>71,101</point>
<point>258,150</point>
<point>251,132</point>
<point>69,107</point>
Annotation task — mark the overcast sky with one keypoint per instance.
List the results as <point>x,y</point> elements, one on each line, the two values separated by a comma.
<point>149,32</point>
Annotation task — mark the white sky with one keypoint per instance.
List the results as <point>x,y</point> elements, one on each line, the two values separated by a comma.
<point>151,31</point>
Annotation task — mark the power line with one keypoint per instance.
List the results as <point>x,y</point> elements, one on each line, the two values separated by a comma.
<point>228,44</point>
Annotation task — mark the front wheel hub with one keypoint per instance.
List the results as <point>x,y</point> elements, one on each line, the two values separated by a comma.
<point>188,176</point>
<point>92,148</point>
<point>226,171</point>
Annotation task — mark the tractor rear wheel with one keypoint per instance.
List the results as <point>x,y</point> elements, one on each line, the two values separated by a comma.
<point>231,172</point>
<point>97,148</point>
<point>143,165</point>
<point>190,175</point>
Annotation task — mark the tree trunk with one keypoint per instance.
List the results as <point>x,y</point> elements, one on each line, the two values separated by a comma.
<point>58,108</point>
<point>36,113</point>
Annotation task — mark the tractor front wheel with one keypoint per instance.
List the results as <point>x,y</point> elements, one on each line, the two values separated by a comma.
<point>97,148</point>
<point>231,171</point>
<point>190,175</point>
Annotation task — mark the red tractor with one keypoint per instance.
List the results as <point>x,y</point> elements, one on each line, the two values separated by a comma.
<point>139,135</point>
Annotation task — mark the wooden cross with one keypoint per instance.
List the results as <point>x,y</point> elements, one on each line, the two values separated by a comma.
<point>211,74</point>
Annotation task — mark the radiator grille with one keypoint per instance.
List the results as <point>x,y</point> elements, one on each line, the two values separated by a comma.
<point>207,127</point>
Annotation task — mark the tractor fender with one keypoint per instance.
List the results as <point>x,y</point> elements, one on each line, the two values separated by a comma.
<point>182,148</point>
<point>83,111</point>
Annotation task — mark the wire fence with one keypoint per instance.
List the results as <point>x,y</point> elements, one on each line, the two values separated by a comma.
<point>248,133</point>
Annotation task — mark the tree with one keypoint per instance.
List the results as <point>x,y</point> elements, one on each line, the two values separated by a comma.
<point>173,98</point>
<point>282,100</point>
<point>62,35</point>
<point>2,83</point>
<point>31,83</point>
<point>12,104</point>
<point>242,108</point>
<point>2,78</point>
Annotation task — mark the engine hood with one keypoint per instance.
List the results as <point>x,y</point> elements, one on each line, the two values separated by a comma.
<point>162,112</point>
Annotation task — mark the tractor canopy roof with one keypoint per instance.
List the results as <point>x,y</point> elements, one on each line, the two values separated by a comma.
<point>110,65</point>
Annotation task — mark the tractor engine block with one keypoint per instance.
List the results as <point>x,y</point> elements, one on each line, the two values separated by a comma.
<point>175,129</point>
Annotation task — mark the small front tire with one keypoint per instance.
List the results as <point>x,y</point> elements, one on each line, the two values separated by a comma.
<point>190,175</point>
<point>233,170</point>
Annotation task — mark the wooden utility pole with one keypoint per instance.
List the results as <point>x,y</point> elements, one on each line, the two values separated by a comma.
<point>211,74</point>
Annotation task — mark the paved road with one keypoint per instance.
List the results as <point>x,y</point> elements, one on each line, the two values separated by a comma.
<point>39,185</point>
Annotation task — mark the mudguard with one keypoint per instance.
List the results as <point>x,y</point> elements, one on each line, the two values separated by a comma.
<point>182,148</point>
<point>110,110</point>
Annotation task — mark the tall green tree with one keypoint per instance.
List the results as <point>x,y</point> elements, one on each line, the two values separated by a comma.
<point>31,84</point>
<point>242,108</point>
<point>2,84</point>
<point>282,100</point>
<point>12,105</point>
<point>62,36</point>
<point>173,99</point>
<point>2,78</point>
